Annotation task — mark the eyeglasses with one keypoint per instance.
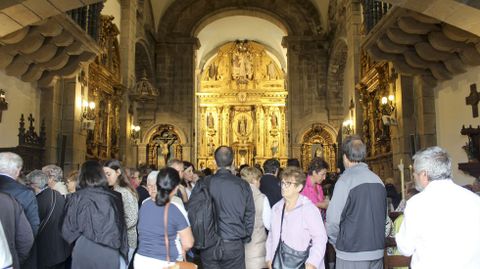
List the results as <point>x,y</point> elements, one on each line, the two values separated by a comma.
<point>287,184</point>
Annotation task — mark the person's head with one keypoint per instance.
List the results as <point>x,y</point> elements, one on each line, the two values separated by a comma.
<point>177,165</point>
<point>54,174</point>
<point>167,183</point>
<point>271,166</point>
<point>188,171</point>
<point>134,175</point>
<point>354,150</point>
<point>431,164</point>
<point>293,162</point>
<point>92,175</point>
<point>152,184</point>
<point>317,170</point>
<point>207,171</point>
<point>116,175</point>
<point>38,180</point>
<point>242,166</point>
<point>389,181</point>
<point>252,175</point>
<point>72,181</point>
<point>10,164</point>
<point>224,157</point>
<point>293,180</point>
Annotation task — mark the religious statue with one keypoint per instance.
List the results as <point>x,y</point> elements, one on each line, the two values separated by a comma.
<point>271,71</point>
<point>318,152</point>
<point>213,72</point>
<point>242,66</point>
<point>242,126</point>
<point>210,122</point>
<point>274,120</point>
<point>274,148</point>
<point>211,147</point>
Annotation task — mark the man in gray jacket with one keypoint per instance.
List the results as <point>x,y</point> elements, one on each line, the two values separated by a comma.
<point>356,214</point>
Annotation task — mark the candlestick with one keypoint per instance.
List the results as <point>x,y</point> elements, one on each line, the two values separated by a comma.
<point>402,178</point>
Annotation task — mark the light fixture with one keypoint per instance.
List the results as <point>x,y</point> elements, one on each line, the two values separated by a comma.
<point>134,132</point>
<point>3,103</point>
<point>347,127</point>
<point>88,115</point>
<point>387,105</point>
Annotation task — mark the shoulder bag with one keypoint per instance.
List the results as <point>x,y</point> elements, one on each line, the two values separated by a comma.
<point>178,265</point>
<point>286,257</point>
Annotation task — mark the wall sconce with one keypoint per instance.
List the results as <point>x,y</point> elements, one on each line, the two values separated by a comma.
<point>387,109</point>
<point>388,104</point>
<point>347,127</point>
<point>88,115</point>
<point>135,132</point>
<point>3,103</point>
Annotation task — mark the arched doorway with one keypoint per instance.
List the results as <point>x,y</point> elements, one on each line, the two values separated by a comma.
<point>319,142</point>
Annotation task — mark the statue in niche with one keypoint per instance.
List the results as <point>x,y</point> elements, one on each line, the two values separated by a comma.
<point>242,66</point>
<point>242,126</point>
<point>274,120</point>
<point>272,75</point>
<point>210,122</point>
<point>211,147</point>
<point>318,151</point>
<point>274,148</point>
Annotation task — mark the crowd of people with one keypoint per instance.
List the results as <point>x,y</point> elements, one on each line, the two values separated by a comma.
<point>108,216</point>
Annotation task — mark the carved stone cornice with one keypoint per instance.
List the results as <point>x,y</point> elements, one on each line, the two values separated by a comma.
<point>52,48</point>
<point>420,45</point>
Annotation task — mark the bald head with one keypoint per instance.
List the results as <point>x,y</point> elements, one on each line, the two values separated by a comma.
<point>10,164</point>
<point>224,157</point>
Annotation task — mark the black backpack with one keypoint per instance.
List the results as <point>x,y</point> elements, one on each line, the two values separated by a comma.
<point>202,216</point>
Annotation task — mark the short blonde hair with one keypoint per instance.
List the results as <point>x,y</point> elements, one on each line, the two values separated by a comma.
<point>250,174</point>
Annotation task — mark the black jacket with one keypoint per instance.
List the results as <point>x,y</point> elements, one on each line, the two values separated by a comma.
<point>234,205</point>
<point>25,197</point>
<point>270,186</point>
<point>16,227</point>
<point>96,213</point>
<point>52,249</point>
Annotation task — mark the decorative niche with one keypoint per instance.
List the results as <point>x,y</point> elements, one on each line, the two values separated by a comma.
<point>472,149</point>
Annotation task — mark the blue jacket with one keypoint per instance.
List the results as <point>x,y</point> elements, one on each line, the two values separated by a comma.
<point>25,197</point>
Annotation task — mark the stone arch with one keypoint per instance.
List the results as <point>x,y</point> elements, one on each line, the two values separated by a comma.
<point>143,61</point>
<point>335,78</point>
<point>184,17</point>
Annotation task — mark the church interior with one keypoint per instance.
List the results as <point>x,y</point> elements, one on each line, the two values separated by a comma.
<point>146,81</point>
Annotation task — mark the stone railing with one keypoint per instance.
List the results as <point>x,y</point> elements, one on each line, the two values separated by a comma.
<point>88,18</point>
<point>373,12</point>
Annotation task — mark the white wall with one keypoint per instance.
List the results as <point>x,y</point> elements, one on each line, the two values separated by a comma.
<point>452,112</point>
<point>23,98</point>
<point>113,8</point>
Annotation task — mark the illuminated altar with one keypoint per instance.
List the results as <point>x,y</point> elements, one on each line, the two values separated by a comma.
<point>241,102</point>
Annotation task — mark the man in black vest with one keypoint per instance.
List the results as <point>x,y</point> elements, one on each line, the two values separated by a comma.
<point>235,209</point>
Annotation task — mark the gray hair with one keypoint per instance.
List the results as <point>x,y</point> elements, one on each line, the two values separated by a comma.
<point>435,161</point>
<point>10,163</point>
<point>38,178</point>
<point>152,177</point>
<point>354,148</point>
<point>53,171</point>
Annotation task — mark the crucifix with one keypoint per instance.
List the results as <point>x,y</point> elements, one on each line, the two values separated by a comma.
<point>473,99</point>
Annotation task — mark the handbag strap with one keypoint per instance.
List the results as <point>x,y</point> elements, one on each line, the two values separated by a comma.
<point>165,224</point>
<point>43,224</point>
<point>281,222</point>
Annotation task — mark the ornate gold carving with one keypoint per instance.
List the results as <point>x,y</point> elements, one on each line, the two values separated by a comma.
<point>242,101</point>
<point>318,142</point>
<point>106,91</point>
<point>163,145</point>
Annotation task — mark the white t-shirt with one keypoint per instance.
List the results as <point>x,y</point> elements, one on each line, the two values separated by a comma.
<point>441,228</point>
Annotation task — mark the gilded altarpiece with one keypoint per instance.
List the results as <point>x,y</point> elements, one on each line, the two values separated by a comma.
<point>105,89</point>
<point>241,102</point>
<point>318,142</point>
<point>378,82</point>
